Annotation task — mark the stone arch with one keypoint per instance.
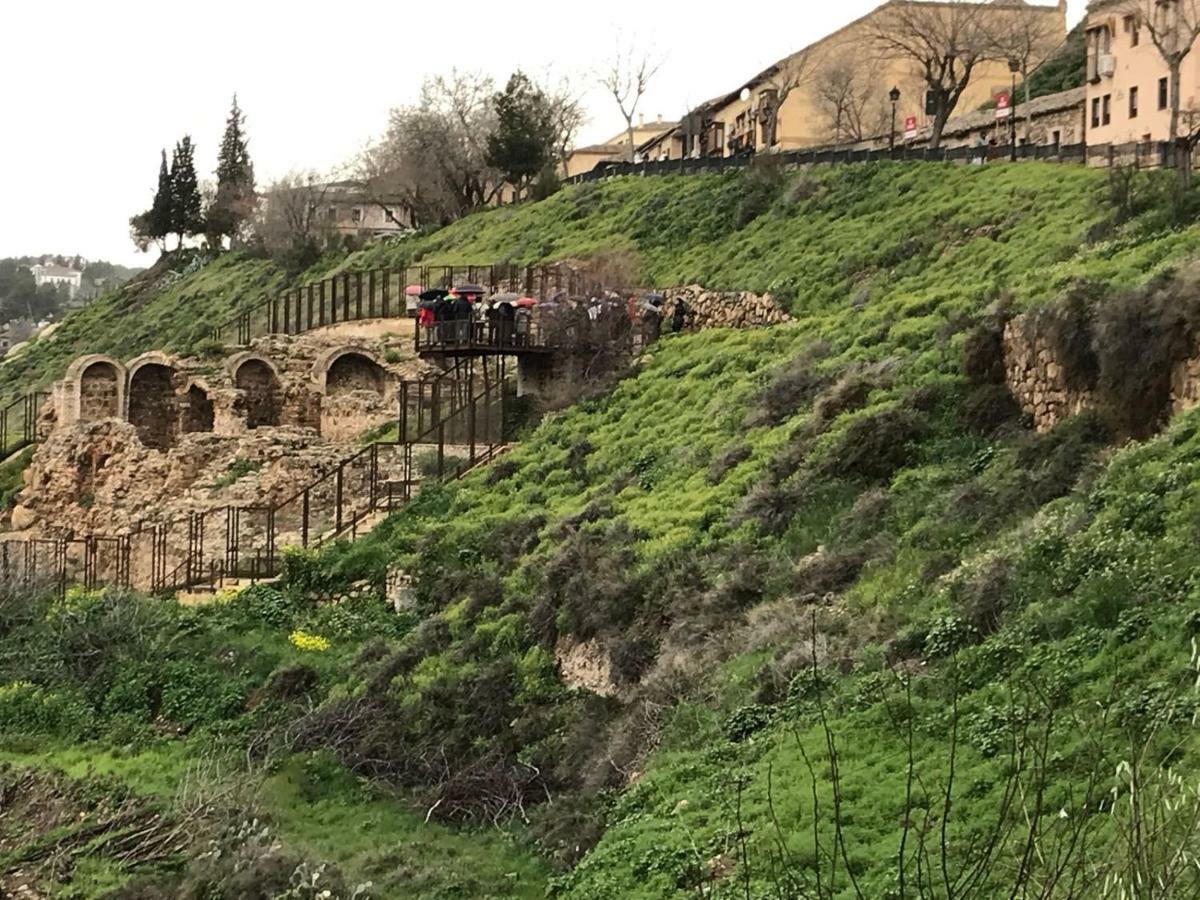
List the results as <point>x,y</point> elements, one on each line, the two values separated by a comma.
<point>153,404</point>
<point>259,383</point>
<point>196,412</point>
<point>97,385</point>
<point>352,370</point>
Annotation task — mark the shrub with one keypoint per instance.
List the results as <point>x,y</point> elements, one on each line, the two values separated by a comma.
<point>1068,327</point>
<point>1138,339</point>
<point>947,636</point>
<point>729,458</point>
<point>746,721</point>
<point>988,408</point>
<point>761,185</point>
<point>792,388</point>
<point>983,355</point>
<point>875,445</point>
<point>847,394</point>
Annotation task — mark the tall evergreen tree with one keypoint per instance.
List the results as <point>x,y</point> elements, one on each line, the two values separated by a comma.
<point>153,225</point>
<point>522,144</point>
<point>234,202</point>
<point>187,213</point>
<point>160,212</point>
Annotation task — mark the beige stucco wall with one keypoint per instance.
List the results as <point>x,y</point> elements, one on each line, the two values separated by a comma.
<point>803,122</point>
<point>1141,67</point>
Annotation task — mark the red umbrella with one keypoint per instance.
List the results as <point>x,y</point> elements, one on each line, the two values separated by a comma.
<point>413,290</point>
<point>526,301</point>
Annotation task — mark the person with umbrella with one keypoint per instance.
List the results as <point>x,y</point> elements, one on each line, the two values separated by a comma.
<point>463,312</point>
<point>429,312</point>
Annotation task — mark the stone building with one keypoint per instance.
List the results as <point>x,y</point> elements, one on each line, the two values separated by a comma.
<point>1055,120</point>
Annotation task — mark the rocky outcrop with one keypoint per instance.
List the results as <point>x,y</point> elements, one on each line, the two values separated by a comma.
<point>100,478</point>
<point>585,665</point>
<point>723,309</point>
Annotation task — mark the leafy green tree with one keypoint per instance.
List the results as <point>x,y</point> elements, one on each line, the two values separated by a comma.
<point>235,199</point>
<point>522,144</point>
<point>187,213</point>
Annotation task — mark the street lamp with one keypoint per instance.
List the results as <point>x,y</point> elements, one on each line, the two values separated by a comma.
<point>1014,66</point>
<point>894,96</point>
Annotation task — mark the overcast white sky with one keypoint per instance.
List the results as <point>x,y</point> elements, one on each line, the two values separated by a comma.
<point>90,91</point>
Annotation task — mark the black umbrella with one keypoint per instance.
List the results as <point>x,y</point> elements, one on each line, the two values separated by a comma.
<point>433,294</point>
<point>469,289</point>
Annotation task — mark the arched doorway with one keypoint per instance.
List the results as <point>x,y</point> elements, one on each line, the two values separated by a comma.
<point>99,392</point>
<point>262,395</point>
<point>354,372</point>
<point>196,411</point>
<point>153,405</point>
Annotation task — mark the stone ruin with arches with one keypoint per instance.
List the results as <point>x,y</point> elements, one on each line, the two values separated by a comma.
<point>126,440</point>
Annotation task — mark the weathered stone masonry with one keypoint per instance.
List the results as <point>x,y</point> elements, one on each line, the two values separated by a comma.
<point>1038,380</point>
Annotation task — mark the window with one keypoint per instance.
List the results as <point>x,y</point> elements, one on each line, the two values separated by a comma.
<point>1133,102</point>
<point>356,216</point>
<point>1106,117</point>
<point>1056,139</point>
<point>1162,93</point>
<point>1131,29</point>
<point>1095,112</point>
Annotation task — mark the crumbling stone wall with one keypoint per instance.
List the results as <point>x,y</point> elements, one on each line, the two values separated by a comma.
<point>1185,383</point>
<point>154,405</point>
<point>722,309</point>
<point>196,411</point>
<point>99,392</point>
<point>261,398</point>
<point>1037,379</point>
<point>279,382</point>
<point>350,372</point>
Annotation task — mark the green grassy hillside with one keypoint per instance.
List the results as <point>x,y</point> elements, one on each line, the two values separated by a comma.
<point>856,611</point>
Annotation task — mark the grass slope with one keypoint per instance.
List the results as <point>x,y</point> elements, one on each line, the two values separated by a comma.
<point>736,491</point>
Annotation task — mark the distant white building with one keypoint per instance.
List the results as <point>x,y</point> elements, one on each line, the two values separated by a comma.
<point>56,275</point>
<point>349,210</point>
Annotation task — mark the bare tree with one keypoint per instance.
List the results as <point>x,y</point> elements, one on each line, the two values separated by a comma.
<point>432,161</point>
<point>846,92</point>
<point>626,78</point>
<point>1173,27</point>
<point>292,215</point>
<point>1027,34</point>
<point>567,114</point>
<point>774,89</point>
<point>946,42</point>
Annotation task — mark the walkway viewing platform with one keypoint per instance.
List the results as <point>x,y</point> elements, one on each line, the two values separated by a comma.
<point>389,294</point>
<point>473,338</point>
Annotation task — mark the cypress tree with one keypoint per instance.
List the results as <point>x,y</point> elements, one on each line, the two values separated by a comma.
<point>187,214</point>
<point>234,201</point>
<point>159,222</point>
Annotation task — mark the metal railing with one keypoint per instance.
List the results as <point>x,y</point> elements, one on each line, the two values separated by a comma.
<point>1141,154</point>
<point>18,422</point>
<point>382,294</point>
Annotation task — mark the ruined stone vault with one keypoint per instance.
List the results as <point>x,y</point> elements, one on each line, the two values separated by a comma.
<point>125,442</point>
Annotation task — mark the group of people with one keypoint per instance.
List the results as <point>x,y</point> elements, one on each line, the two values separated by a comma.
<point>464,315</point>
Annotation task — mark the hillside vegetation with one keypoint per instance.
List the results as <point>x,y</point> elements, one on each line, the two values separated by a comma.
<point>869,635</point>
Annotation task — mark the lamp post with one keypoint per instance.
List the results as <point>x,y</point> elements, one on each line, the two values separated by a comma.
<point>894,96</point>
<point>1014,66</point>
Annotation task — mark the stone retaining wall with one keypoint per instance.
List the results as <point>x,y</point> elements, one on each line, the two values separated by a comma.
<point>723,309</point>
<point>1037,380</point>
